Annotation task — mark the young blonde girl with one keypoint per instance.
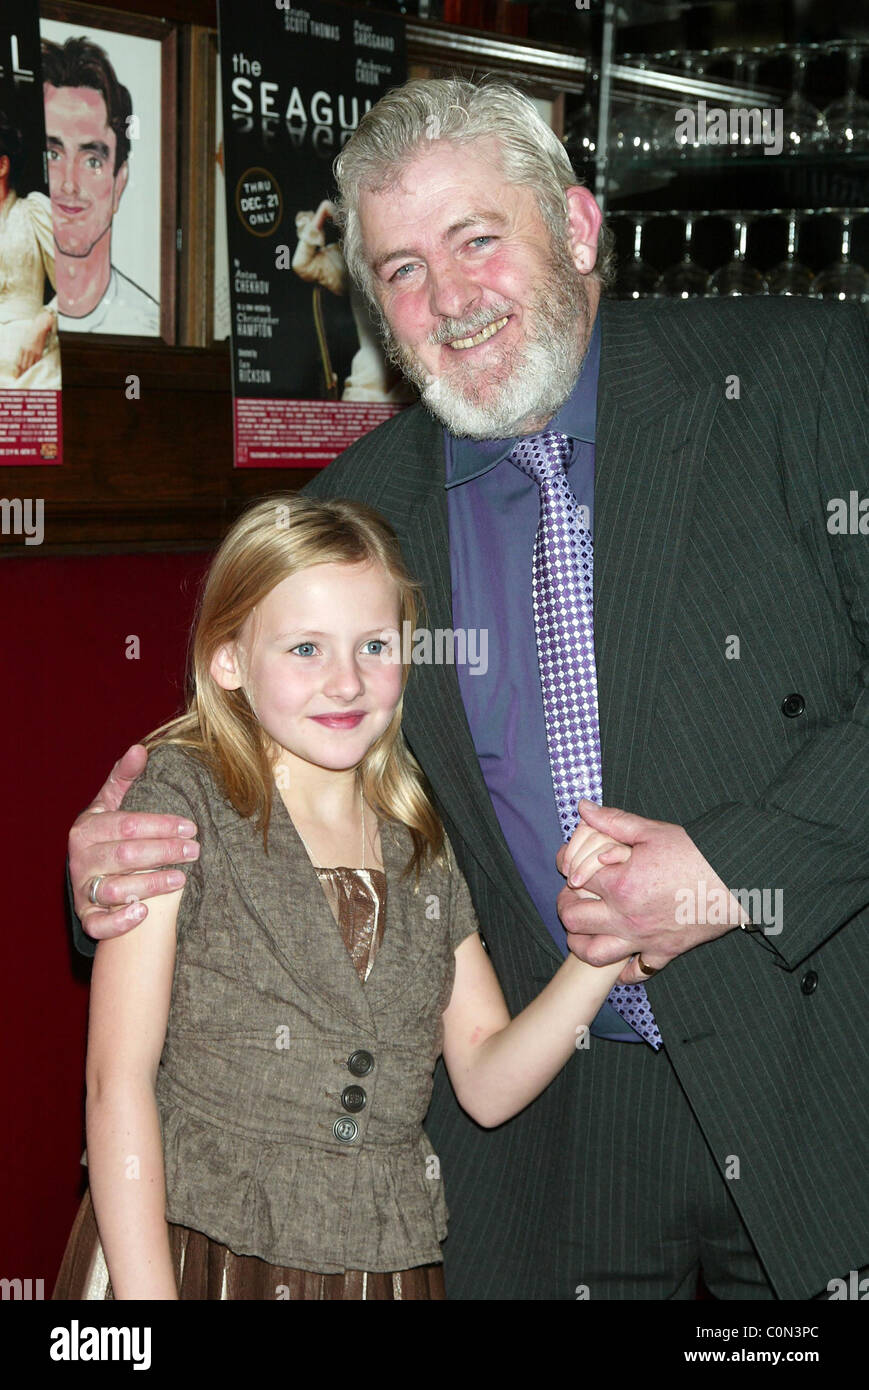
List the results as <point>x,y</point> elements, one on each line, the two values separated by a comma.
<point>261,1049</point>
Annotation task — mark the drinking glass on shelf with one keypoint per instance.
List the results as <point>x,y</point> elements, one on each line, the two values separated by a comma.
<point>671,137</point>
<point>747,135</point>
<point>790,276</point>
<point>805,128</point>
<point>848,117</point>
<point>737,276</point>
<point>632,129</point>
<point>686,277</point>
<point>844,280</point>
<point>739,135</point>
<point>581,134</point>
<point>636,278</point>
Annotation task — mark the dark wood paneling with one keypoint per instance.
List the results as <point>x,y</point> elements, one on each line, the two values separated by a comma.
<point>152,473</point>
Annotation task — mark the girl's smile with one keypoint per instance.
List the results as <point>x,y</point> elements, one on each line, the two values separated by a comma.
<point>339,721</point>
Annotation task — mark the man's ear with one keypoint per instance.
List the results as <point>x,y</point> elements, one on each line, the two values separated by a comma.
<point>120,184</point>
<point>226,667</point>
<point>584,219</point>
<point>5,166</point>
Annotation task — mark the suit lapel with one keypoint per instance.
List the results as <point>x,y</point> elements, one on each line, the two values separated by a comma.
<point>435,722</point>
<point>653,424</point>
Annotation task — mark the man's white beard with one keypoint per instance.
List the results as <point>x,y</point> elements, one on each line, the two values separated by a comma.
<point>539,374</point>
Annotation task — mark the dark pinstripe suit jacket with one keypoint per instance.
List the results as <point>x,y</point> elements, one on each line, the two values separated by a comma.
<point>723,431</point>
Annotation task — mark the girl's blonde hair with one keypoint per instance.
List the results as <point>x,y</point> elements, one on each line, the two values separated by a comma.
<point>273,539</point>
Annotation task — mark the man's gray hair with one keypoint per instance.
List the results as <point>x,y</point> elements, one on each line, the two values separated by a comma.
<point>393,133</point>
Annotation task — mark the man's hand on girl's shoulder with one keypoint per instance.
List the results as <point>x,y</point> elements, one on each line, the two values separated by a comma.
<point>110,851</point>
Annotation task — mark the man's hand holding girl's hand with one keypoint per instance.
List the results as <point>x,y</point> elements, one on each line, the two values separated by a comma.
<point>628,905</point>
<point>586,852</point>
<point>582,856</point>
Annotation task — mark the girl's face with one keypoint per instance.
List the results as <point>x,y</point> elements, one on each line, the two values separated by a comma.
<point>310,658</point>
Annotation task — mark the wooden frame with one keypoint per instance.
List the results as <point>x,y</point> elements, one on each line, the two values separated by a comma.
<point>143,26</point>
<point>196,200</point>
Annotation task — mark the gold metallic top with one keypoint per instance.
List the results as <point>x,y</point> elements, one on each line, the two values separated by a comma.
<point>357,898</point>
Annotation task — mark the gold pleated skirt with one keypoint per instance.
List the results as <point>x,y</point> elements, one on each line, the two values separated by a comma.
<point>205,1269</point>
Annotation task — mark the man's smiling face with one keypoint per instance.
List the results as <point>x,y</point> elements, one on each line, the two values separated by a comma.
<point>483,311</point>
<point>85,191</point>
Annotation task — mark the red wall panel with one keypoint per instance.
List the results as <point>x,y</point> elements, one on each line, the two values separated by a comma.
<point>72,701</point>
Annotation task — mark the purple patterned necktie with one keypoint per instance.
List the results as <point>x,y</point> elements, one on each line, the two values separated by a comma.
<point>562,589</point>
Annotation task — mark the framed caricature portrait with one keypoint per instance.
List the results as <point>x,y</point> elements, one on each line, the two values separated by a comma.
<point>110,108</point>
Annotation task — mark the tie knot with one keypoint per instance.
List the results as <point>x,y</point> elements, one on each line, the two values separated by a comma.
<point>542,456</point>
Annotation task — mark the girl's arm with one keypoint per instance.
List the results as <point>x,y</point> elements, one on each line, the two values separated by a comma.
<point>496,1065</point>
<point>131,988</point>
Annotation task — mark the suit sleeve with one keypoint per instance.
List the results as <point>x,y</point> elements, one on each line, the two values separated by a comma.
<point>807,834</point>
<point>330,481</point>
<point>84,944</point>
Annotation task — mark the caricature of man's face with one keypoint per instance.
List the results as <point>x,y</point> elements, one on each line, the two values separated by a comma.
<point>85,190</point>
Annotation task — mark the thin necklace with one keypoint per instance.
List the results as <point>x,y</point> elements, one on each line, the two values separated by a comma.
<point>362,815</point>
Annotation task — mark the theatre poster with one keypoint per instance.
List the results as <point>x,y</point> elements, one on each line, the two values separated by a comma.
<point>30,407</point>
<point>309,374</point>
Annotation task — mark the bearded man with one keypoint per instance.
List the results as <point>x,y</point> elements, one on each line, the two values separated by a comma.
<point>678,457</point>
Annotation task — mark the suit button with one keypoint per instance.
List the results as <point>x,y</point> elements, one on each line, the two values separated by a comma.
<point>792,705</point>
<point>345,1130</point>
<point>809,982</point>
<point>485,945</point>
<point>353,1098</point>
<point>360,1062</point>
